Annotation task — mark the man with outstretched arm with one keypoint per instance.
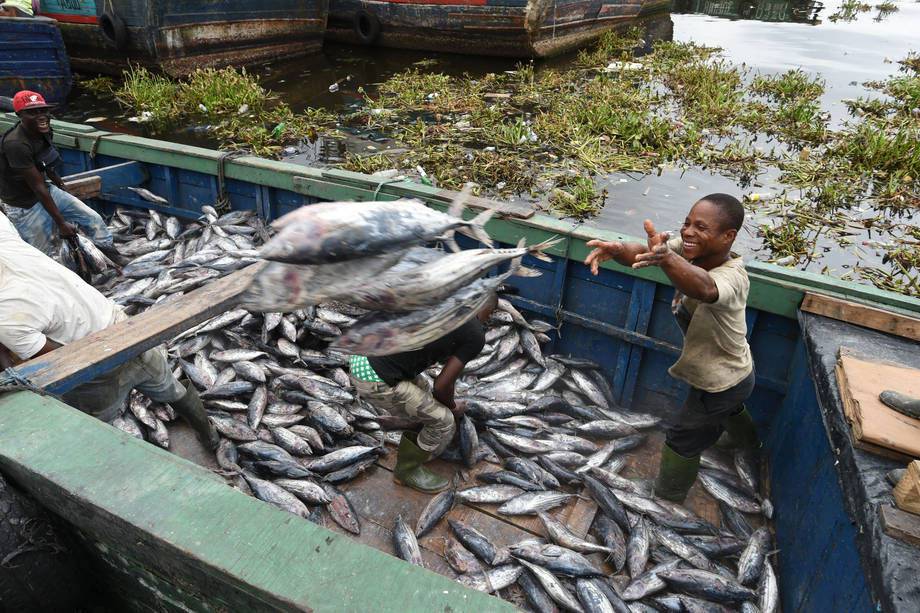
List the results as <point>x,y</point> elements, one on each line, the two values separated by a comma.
<point>43,306</point>
<point>711,288</point>
<point>35,196</point>
<point>394,383</point>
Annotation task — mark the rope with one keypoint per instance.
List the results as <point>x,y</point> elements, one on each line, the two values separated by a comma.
<point>223,200</point>
<point>557,312</point>
<point>97,138</point>
<point>382,183</point>
<point>12,381</point>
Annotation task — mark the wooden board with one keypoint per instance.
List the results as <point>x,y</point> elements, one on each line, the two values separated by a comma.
<point>873,423</point>
<point>84,359</point>
<point>900,524</point>
<point>907,491</point>
<point>87,187</point>
<point>862,315</point>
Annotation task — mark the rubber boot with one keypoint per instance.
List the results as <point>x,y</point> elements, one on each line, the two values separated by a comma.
<point>902,403</point>
<point>410,471</point>
<point>741,430</point>
<point>676,475</point>
<point>191,408</point>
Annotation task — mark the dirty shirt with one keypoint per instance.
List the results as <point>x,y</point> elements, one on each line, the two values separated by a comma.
<point>716,354</point>
<point>21,151</point>
<point>41,300</point>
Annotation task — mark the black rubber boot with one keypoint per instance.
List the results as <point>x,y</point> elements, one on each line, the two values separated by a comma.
<point>741,430</point>
<point>676,475</point>
<point>410,471</point>
<point>191,408</point>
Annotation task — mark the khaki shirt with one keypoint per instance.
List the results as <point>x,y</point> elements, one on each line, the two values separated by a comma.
<point>716,354</point>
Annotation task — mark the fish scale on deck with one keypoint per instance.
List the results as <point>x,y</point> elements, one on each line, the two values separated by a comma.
<point>291,428</point>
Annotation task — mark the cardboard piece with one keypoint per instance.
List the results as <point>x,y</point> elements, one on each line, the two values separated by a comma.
<point>876,427</point>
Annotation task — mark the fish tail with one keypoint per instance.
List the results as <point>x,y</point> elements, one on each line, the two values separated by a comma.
<point>538,249</point>
<point>459,202</point>
<point>475,229</point>
<point>451,242</point>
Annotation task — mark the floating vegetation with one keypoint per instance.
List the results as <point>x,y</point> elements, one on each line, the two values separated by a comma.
<point>99,85</point>
<point>548,134</point>
<point>244,114</point>
<point>849,10</point>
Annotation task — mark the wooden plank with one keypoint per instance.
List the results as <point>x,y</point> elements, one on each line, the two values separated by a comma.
<point>83,360</point>
<point>170,518</point>
<point>900,524</point>
<point>862,315</point>
<point>84,188</point>
<point>907,491</point>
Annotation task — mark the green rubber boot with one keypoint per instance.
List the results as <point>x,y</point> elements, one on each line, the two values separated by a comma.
<point>410,471</point>
<point>191,408</point>
<point>676,475</point>
<point>741,430</point>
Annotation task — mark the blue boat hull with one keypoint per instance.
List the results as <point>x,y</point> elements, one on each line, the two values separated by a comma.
<point>178,36</point>
<point>33,57</point>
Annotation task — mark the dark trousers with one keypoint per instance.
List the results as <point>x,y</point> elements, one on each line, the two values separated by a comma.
<point>699,424</point>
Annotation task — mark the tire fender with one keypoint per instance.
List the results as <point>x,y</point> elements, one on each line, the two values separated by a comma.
<point>114,29</point>
<point>367,27</point>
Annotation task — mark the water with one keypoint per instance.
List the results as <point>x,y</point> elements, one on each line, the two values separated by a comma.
<point>845,54</point>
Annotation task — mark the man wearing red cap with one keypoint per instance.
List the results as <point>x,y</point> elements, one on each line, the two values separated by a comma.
<point>36,198</point>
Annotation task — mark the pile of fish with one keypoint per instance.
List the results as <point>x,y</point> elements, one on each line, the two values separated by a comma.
<point>292,430</point>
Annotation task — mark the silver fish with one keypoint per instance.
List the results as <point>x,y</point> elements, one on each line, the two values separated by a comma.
<point>338,231</point>
<point>553,587</point>
<point>492,580</point>
<point>530,503</point>
<point>406,544</point>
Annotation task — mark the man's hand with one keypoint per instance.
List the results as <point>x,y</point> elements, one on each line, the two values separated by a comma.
<point>459,409</point>
<point>67,229</point>
<point>658,250</point>
<point>603,251</point>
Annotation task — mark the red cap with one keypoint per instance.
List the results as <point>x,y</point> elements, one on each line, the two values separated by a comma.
<point>29,100</point>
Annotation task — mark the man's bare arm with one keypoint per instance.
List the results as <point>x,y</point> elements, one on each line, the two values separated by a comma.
<point>36,182</point>
<point>444,384</point>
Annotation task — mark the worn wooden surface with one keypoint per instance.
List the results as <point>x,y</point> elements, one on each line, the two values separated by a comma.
<point>907,491</point>
<point>83,360</point>
<point>900,524</point>
<point>172,528</point>
<point>873,423</point>
<point>84,188</point>
<point>862,315</point>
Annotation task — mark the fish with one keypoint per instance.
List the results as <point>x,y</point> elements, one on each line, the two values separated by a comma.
<point>679,546</point>
<point>339,458</point>
<point>649,582</point>
<point>434,511</point>
<point>610,534</point>
<point>378,334</point>
<point>530,503</point>
<point>506,477</point>
<point>606,501</point>
<point>489,494</point>
<point>493,579</point>
<point>708,585</point>
<point>553,587</point>
<point>476,542</point>
<point>723,492</point>
<point>149,196</point>
<point>536,596</point>
<point>435,281</point>
<point>341,511</point>
<point>768,590</point>
<point>556,559</point>
<point>592,599</point>
<point>637,547</point>
<point>532,471</point>
<point>469,440</point>
<point>308,491</point>
<point>332,232</point>
<point>560,534</point>
<point>276,495</point>
<point>405,543</point>
<point>460,559</point>
<point>751,562</point>
<point>290,442</point>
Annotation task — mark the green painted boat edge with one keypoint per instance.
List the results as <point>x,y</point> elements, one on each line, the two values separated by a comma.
<point>172,518</point>
<point>774,289</point>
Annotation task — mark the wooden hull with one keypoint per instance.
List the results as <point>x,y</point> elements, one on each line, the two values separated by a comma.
<point>149,517</point>
<point>33,57</point>
<point>509,28</point>
<point>178,36</point>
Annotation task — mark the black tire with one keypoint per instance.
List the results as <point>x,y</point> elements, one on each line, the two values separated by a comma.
<point>114,29</point>
<point>38,571</point>
<point>367,27</point>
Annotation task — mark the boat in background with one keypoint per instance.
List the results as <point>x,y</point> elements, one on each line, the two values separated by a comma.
<point>33,57</point>
<point>178,37</point>
<point>511,28</point>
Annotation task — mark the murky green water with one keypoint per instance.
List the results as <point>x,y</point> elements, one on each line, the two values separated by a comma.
<point>845,54</point>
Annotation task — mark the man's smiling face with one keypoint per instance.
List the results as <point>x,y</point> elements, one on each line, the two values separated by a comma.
<point>704,233</point>
<point>36,120</point>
